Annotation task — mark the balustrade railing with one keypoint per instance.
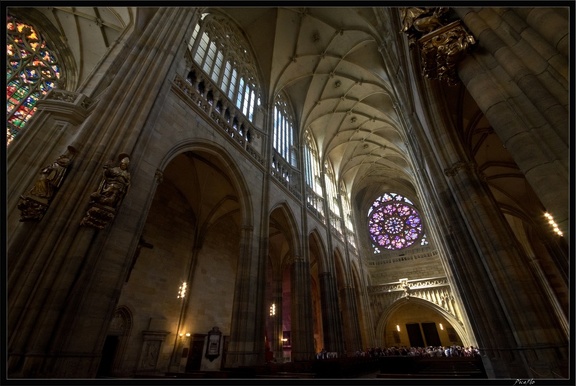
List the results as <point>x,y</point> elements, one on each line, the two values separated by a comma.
<point>315,204</point>
<point>284,173</point>
<point>336,225</point>
<point>207,97</point>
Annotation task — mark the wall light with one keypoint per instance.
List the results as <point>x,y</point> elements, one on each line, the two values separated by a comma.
<point>397,327</point>
<point>273,309</point>
<point>553,224</point>
<point>441,326</point>
<point>182,290</point>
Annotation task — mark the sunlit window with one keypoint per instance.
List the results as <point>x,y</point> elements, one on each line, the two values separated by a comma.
<point>32,70</point>
<point>220,50</point>
<point>284,131</point>
<point>346,208</point>
<point>331,191</point>
<point>312,166</point>
<point>394,223</point>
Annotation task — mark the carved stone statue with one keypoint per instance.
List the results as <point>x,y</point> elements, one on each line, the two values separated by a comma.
<point>36,202</point>
<point>51,178</point>
<point>114,185</point>
<point>105,200</point>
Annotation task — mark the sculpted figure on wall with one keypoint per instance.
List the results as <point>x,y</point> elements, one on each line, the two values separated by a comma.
<point>114,185</point>
<point>33,205</point>
<point>106,199</point>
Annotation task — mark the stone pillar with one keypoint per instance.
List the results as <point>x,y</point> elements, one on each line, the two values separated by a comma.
<point>276,333</point>
<point>302,318</point>
<point>65,286</point>
<point>331,318</point>
<point>350,313</point>
<point>247,346</point>
<point>354,338</point>
<point>522,319</point>
<point>525,100</point>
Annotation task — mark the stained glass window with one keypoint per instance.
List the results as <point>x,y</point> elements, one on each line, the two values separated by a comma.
<point>393,223</point>
<point>32,70</point>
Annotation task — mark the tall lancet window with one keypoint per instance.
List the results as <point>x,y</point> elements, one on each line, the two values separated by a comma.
<point>312,174</point>
<point>393,223</point>
<point>32,69</point>
<point>332,197</point>
<point>347,215</point>
<point>332,191</point>
<point>346,207</point>
<point>284,139</point>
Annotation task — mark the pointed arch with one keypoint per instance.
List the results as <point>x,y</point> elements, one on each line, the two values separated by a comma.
<point>318,248</point>
<point>289,226</point>
<point>385,316</point>
<point>235,175</point>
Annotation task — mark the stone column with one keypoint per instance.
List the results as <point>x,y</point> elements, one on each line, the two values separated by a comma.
<point>302,319</point>
<point>247,346</point>
<point>525,98</point>
<point>276,333</point>
<point>354,338</point>
<point>348,293</point>
<point>63,301</point>
<point>331,318</point>
<point>520,316</point>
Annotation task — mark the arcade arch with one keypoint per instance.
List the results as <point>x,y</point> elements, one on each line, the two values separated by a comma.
<point>430,325</point>
<point>282,247</point>
<point>183,275</point>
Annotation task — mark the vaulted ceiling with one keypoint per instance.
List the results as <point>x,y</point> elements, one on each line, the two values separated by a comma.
<point>330,63</point>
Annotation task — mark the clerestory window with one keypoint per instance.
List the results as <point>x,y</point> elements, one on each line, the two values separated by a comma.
<point>312,165</point>
<point>284,139</point>
<point>220,50</point>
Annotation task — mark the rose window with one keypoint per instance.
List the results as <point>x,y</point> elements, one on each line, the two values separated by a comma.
<point>393,223</point>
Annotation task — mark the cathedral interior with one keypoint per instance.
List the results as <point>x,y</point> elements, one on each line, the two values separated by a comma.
<point>200,191</point>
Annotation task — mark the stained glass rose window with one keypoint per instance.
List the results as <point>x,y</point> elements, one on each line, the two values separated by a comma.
<point>393,223</point>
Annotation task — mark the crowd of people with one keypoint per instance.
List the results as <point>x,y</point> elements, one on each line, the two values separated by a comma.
<point>430,351</point>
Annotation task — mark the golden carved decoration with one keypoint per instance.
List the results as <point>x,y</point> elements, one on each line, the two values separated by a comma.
<point>442,42</point>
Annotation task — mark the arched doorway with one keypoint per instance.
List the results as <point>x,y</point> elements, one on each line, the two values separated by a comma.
<point>115,343</point>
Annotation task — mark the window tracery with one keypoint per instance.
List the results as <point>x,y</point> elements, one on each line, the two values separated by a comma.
<point>284,139</point>
<point>33,69</point>
<point>393,223</point>
<point>220,50</point>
